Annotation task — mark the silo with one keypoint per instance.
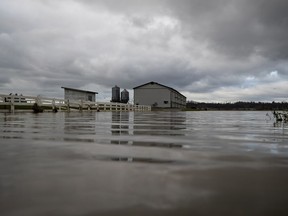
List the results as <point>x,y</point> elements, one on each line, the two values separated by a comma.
<point>124,96</point>
<point>115,94</point>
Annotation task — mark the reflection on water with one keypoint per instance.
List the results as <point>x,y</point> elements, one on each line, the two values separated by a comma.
<point>154,163</point>
<point>169,124</point>
<point>120,126</point>
<point>153,124</point>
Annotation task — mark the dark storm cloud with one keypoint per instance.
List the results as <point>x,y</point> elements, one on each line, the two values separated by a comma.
<point>239,28</point>
<point>4,79</point>
<point>274,19</point>
<point>205,48</point>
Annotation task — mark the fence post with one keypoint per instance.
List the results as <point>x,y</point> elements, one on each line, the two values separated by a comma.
<point>68,105</point>
<point>12,106</point>
<point>59,104</point>
<point>53,104</point>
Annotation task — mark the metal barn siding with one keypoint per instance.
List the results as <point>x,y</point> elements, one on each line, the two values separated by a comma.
<point>77,94</point>
<point>158,95</point>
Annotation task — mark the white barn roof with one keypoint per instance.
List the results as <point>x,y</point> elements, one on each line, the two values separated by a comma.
<point>160,85</point>
<point>79,90</point>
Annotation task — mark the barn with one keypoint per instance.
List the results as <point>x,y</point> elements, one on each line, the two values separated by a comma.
<point>77,94</point>
<point>158,95</point>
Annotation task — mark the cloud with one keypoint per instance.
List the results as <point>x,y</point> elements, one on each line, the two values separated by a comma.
<point>199,47</point>
<point>238,28</point>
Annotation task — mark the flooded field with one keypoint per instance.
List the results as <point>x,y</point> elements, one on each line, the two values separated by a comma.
<point>153,163</point>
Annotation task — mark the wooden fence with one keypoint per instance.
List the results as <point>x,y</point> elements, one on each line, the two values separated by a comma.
<point>12,102</point>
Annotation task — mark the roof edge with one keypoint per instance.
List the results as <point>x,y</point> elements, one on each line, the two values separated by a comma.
<point>152,82</point>
<point>80,90</point>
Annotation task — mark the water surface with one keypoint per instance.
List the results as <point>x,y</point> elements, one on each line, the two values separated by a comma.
<point>152,163</point>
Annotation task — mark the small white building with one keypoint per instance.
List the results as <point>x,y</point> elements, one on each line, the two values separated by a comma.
<point>77,94</point>
<point>158,95</point>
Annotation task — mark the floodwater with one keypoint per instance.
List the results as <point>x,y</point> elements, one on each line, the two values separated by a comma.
<point>152,163</point>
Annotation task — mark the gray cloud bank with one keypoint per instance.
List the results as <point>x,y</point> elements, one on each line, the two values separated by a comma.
<point>210,50</point>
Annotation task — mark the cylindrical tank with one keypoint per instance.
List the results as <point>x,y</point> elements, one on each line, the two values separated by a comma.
<point>115,94</point>
<point>124,96</point>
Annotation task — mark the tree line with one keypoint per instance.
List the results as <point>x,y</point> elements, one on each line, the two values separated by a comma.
<point>240,105</point>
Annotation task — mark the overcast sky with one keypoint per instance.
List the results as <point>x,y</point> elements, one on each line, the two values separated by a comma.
<point>209,50</point>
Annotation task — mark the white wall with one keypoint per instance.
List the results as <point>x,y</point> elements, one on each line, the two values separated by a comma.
<point>151,95</point>
<point>78,95</point>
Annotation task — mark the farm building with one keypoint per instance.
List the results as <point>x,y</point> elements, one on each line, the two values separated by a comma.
<point>77,94</point>
<point>158,95</point>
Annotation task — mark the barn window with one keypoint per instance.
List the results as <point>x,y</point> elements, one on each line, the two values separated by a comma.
<point>165,102</point>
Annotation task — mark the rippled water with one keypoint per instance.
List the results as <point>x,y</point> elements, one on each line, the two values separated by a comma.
<point>153,163</point>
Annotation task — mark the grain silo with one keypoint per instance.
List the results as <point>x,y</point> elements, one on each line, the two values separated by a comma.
<point>124,96</point>
<point>115,94</point>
